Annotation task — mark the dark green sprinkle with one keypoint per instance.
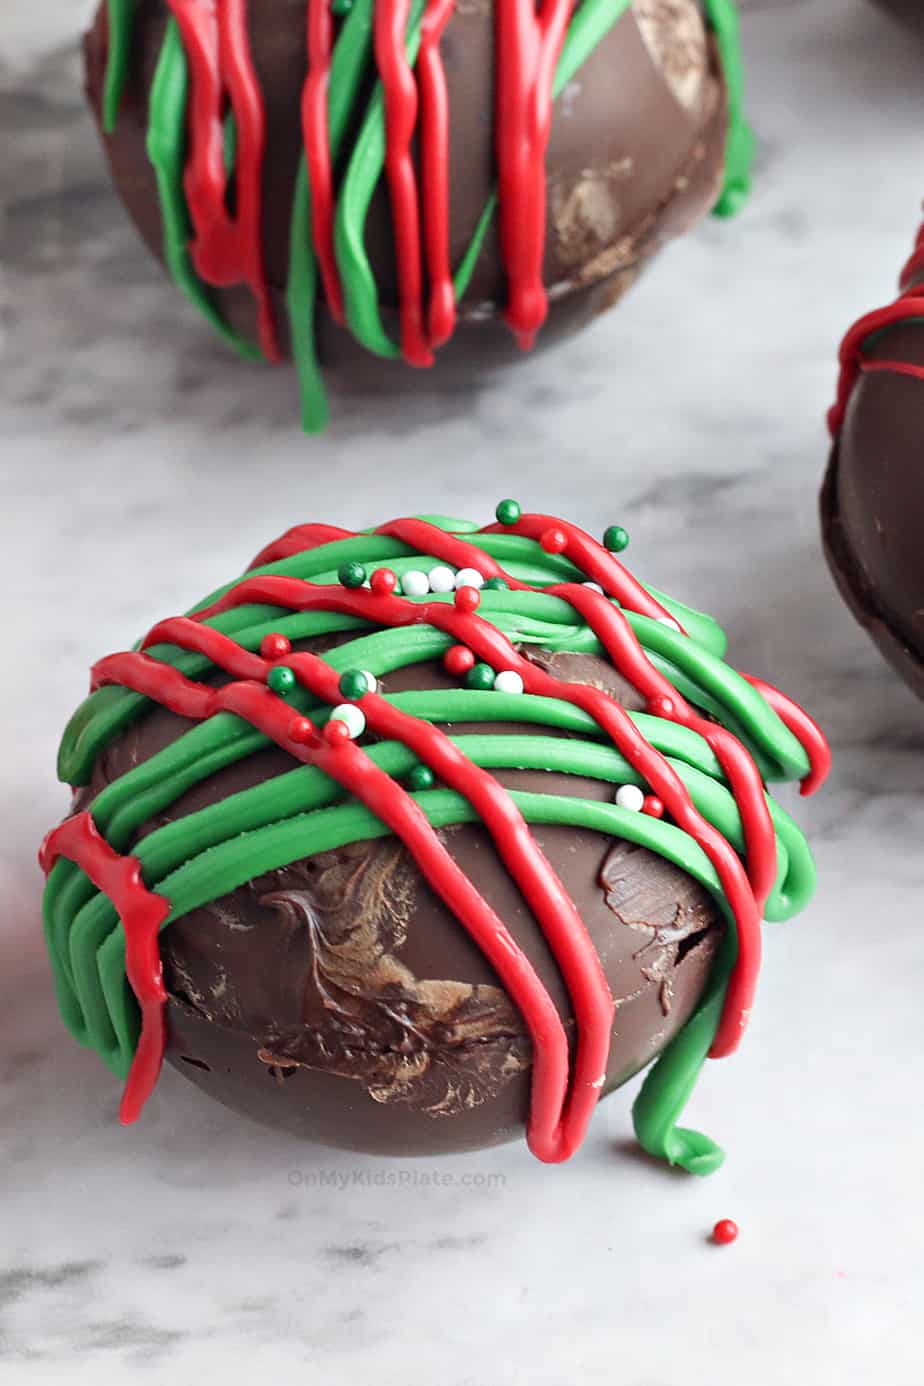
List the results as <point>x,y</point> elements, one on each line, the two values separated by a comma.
<point>420,777</point>
<point>616,539</point>
<point>480,677</point>
<point>281,680</point>
<point>508,512</point>
<point>496,585</point>
<point>353,684</point>
<point>352,574</point>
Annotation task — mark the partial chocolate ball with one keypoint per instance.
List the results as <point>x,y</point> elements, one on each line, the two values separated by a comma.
<point>873,497</point>
<point>339,998</point>
<point>909,12</point>
<point>635,157</point>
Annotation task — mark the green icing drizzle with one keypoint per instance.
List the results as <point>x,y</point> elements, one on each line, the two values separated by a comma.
<point>200,857</point>
<point>121,23</point>
<point>739,149</point>
<point>166,148</point>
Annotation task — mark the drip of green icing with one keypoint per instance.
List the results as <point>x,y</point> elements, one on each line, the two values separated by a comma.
<point>739,149</point>
<point>121,23</point>
<point>202,856</point>
<point>349,64</point>
<point>166,146</point>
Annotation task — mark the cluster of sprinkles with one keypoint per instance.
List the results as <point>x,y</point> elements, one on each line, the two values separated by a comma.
<point>320,713</point>
<point>907,308</point>
<point>374,69</point>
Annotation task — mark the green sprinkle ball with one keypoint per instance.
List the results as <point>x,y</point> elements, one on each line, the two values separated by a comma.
<point>496,585</point>
<point>353,684</point>
<point>480,677</point>
<point>281,680</point>
<point>351,574</point>
<point>420,777</point>
<point>508,512</point>
<point>616,539</point>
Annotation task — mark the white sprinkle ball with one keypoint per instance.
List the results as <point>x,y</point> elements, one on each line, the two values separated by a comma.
<point>508,681</point>
<point>469,577</point>
<point>630,797</point>
<point>415,583</point>
<point>594,587</point>
<point>442,579</point>
<point>353,716</point>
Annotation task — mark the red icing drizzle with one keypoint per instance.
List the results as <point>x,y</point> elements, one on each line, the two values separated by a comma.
<point>226,249</point>
<point>909,305</point>
<point>400,88</point>
<point>142,913</point>
<point>803,727</point>
<point>558,1118</point>
<point>434,161</point>
<point>529,39</point>
<point>317,148</point>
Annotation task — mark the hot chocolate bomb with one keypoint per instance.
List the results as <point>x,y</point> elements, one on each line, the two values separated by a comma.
<point>908,11</point>
<point>390,183</point>
<point>413,840</point>
<point>873,497</point>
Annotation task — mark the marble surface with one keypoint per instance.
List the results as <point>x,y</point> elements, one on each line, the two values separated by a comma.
<point>140,466</point>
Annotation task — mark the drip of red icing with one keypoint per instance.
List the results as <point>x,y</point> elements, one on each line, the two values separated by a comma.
<point>529,39</point>
<point>142,913</point>
<point>400,90</point>
<point>317,149</point>
<point>803,727</point>
<point>909,304</point>
<point>434,161</point>
<point>227,249</point>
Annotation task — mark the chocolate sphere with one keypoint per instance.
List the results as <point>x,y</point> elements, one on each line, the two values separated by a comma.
<point>873,496</point>
<point>908,11</point>
<point>399,858</point>
<point>635,155</point>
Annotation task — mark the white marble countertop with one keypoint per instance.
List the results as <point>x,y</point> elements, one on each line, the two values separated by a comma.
<point>140,467</point>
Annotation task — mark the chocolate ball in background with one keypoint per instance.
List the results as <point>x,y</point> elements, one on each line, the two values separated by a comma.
<point>909,12</point>
<point>340,1000</point>
<point>635,157</point>
<point>873,498</point>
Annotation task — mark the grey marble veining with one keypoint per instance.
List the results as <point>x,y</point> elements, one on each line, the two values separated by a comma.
<point>141,465</point>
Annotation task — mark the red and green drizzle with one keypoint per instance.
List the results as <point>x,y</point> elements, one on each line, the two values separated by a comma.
<point>706,743</point>
<point>206,86</point>
<point>908,307</point>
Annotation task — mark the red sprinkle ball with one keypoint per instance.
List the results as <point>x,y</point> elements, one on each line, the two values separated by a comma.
<point>652,805</point>
<point>458,660</point>
<point>725,1232</point>
<point>467,599</point>
<point>383,582</point>
<point>301,730</point>
<point>337,732</point>
<point>554,540</point>
<point>275,646</point>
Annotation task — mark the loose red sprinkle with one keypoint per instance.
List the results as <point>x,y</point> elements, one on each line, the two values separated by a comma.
<point>652,805</point>
<point>275,646</point>
<point>725,1232</point>
<point>336,732</point>
<point>467,598</point>
<point>383,582</point>
<point>553,540</point>
<point>301,730</point>
<point>458,660</point>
